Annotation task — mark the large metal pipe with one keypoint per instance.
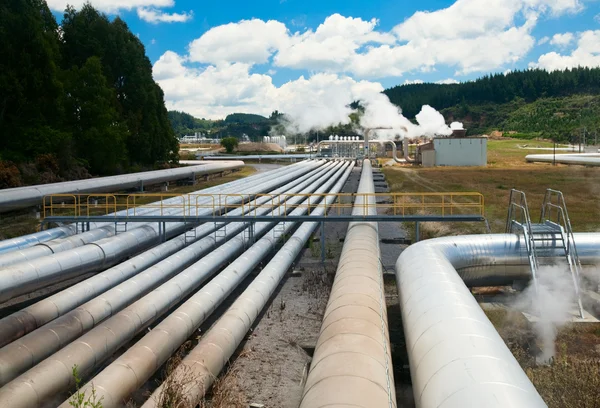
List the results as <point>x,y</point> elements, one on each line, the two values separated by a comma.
<point>15,198</point>
<point>99,230</point>
<point>27,351</point>
<point>457,357</point>
<point>40,313</point>
<point>207,359</point>
<point>406,158</point>
<point>28,240</point>
<point>352,364</point>
<point>35,386</point>
<point>584,159</point>
<point>133,368</point>
<point>25,277</point>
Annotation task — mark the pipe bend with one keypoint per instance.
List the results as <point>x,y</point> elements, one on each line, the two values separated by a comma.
<point>457,358</point>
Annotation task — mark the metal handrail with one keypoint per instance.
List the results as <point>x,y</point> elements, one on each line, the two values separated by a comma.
<point>438,203</point>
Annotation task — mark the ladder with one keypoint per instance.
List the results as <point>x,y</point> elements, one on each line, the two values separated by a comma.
<point>551,236</point>
<point>190,235</point>
<point>120,227</point>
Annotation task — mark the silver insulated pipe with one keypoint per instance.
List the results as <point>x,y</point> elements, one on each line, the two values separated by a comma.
<point>457,358</point>
<point>352,364</point>
<point>14,198</point>
<point>22,278</point>
<point>35,386</point>
<point>138,363</point>
<point>207,359</point>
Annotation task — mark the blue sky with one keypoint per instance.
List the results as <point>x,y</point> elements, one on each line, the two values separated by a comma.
<point>257,56</point>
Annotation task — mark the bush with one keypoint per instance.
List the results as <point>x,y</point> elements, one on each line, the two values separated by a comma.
<point>9,175</point>
<point>229,143</point>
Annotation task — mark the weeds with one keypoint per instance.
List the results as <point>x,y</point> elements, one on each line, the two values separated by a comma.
<point>174,387</point>
<point>78,399</point>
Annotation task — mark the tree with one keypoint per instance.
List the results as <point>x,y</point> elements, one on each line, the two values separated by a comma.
<point>98,134</point>
<point>139,100</point>
<point>229,143</point>
<point>30,89</point>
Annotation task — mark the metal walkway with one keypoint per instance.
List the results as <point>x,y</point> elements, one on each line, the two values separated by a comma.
<point>551,233</point>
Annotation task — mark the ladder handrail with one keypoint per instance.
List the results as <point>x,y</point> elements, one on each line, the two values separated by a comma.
<point>525,225</point>
<point>564,214</point>
<point>564,223</point>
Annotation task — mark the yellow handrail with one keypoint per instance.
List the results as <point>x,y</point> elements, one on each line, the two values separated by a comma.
<point>190,205</point>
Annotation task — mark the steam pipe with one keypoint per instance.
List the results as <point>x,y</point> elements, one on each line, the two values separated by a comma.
<point>352,364</point>
<point>457,358</point>
<point>132,369</point>
<point>584,159</point>
<point>106,229</point>
<point>406,159</point>
<point>35,386</point>
<point>25,277</point>
<point>15,198</point>
<point>216,347</point>
<point>44,311</point>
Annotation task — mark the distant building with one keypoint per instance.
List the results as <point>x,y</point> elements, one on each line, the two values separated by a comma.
<point>198,138</point>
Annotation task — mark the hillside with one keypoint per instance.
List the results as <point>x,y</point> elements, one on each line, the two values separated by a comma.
<point>560,105</point>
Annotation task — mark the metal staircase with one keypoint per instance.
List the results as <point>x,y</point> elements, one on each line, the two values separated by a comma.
<point>550,239</point>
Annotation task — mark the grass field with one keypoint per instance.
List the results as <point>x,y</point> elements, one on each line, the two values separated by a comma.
<point>507,169</point>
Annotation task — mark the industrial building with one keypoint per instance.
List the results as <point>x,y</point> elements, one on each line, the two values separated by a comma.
<point>454,151</point>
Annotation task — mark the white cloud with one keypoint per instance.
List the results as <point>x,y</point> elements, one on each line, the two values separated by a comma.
<point>155,16</point>
<point>332,46</point>
<point>413,81</point>
<point>543,40</point>
<point>562,40</point>
<point>249,41</point>
<point>215,91</point>
<point>448,81</point>
<point>109,6</point>
<point>597,18</point>
<point>587,54</point>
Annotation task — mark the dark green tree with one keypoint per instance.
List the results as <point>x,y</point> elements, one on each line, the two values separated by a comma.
<point>98,135</point>
<point>229,143</point>
<point>140,101</point>
<point>31,103</point>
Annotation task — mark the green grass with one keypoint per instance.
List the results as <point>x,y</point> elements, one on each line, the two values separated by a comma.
<point>507,169</point>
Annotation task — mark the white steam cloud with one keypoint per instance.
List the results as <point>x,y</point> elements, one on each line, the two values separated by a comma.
<point>330,109</point>
<point>554,302</point>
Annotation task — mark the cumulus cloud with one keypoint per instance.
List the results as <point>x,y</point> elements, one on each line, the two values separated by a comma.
<point>155,16</point>
<point>332,46</point>
<point>249,41</point>
<point>586,54</point>
<point>215,91</point>
<point>470,36</point>
<point>562,40</point>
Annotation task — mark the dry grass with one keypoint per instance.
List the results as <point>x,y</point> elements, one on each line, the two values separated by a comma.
<point>226,392</point>
<point>572,378</point>
<point>507,170</point>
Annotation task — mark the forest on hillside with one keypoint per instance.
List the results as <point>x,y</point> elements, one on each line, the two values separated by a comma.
<point>560,105</point>
<point>235,125</point>
<point>76,98</point>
